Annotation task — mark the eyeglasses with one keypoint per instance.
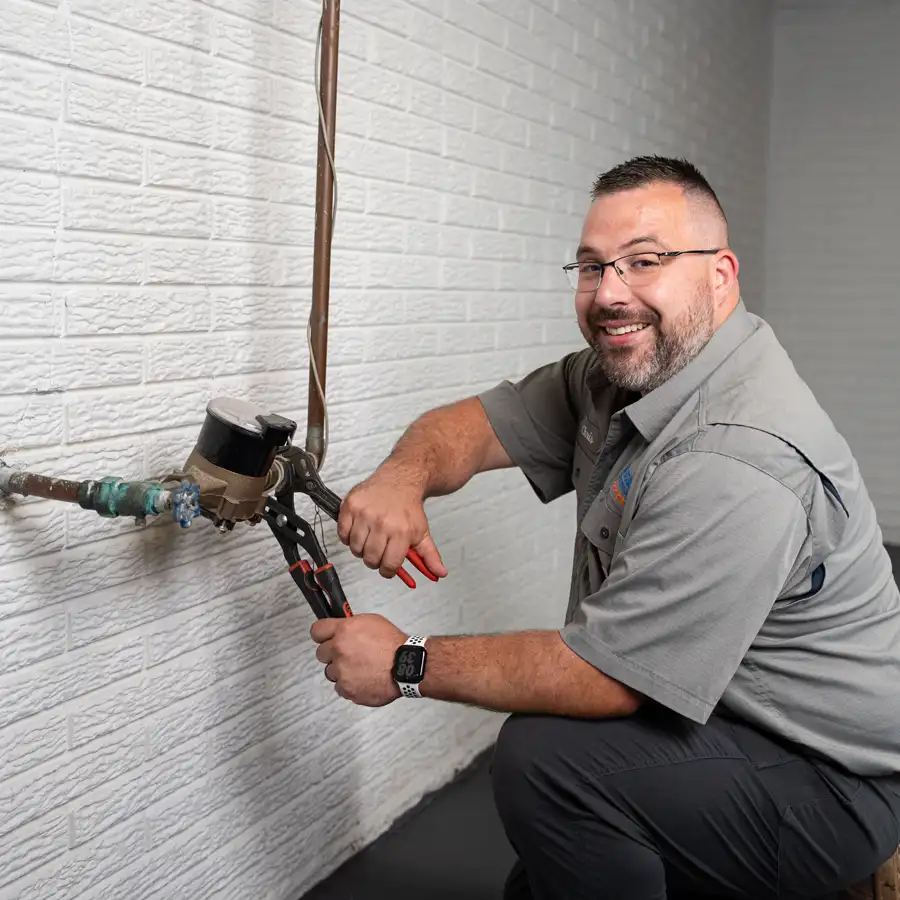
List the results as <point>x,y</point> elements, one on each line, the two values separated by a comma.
<point>636,269</point>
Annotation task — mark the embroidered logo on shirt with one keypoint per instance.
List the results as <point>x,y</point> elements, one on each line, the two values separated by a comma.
<point>622,485</point>
<point>586,433</point>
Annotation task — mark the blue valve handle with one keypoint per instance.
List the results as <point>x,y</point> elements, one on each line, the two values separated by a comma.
<point>186,503</point>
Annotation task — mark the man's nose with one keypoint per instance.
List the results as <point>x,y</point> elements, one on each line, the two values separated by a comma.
<point>611,288</point>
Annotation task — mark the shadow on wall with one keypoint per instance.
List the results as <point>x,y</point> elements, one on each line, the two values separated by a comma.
<point>894,553</point>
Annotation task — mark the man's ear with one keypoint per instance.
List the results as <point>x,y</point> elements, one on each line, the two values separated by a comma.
<point>727,268</point>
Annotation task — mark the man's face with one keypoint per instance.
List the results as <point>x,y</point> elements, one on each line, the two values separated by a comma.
<point>677,307</point>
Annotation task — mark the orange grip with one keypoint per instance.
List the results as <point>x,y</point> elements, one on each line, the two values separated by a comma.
<point>405,577</point>
<point>419,563</point>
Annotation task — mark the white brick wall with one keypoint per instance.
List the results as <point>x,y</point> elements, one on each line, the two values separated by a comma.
<point>165,730</point>
<point>833,220</point>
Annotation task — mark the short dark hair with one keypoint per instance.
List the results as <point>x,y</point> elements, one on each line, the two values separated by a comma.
<point>641,171</point>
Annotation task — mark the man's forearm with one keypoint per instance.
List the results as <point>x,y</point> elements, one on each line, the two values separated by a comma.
<point>444,448</point>
<point>528,671</point>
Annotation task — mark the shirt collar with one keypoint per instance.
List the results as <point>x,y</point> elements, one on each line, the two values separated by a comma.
<point>652,412</point>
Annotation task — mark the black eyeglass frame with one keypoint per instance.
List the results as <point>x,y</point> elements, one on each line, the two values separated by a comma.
<point>603,266</point>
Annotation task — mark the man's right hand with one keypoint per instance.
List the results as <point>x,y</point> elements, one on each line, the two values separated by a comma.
<point>381,518</point>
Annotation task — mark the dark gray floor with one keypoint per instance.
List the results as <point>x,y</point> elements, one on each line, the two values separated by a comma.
<point>451,847</point>
<point>453,842</point>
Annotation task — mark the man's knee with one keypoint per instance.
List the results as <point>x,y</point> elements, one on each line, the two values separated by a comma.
<point>528,771</point>
<point>554,764</point>
<point>572,840</point>
<point>513,765</point>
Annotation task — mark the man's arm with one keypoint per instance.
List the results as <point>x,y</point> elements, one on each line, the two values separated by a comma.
<point>445,447</point>
<point>529,671</point>
<point>530,425</point>
<point>381,518</point>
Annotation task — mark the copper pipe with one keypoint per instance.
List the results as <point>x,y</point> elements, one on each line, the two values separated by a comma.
<point>315,419</point>
<point>30,485</point>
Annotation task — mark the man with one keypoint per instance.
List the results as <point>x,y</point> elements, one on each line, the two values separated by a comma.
<point>720,714</point>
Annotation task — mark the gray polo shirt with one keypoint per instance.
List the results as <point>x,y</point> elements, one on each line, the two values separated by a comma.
<point>727,553</point>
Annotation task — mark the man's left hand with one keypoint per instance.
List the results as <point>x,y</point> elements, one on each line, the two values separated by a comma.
<point>358,653</point>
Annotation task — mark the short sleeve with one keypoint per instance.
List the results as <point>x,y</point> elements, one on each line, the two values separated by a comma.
<point>535,420</point>
<point>705,557</point>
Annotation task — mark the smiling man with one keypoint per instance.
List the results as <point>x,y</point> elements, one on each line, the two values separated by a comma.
<point>719,714</point>
<point>636,348</point>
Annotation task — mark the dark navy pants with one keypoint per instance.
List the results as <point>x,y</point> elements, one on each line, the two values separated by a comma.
<point>653,806</point>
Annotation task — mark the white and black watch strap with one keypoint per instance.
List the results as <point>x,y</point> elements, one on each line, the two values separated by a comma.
<point>409,689</point>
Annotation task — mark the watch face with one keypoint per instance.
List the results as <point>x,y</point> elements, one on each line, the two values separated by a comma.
<point>409,664</point>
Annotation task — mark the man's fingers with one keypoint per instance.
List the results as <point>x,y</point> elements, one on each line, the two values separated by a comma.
<point>358,536</point>
<point>330,676</point>
<point>325,652</point>
<point>323,629</point>
<point>374,549</point>
<point>344,523</point>
<point>393,556</point>
<point>430,556</point>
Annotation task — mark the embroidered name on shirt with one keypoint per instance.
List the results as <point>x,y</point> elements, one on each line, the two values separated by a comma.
<point>587,434</point>
<point>622,485</point>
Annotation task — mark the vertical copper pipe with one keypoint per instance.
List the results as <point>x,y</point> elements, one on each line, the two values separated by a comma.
<point>315,419</point>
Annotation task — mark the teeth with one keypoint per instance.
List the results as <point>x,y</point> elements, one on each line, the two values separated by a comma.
<point>626,328</point>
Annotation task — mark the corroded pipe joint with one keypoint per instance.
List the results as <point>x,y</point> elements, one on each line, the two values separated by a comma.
<point>111,497</point>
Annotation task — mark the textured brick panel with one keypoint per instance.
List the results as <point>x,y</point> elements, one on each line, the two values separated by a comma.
<point>26,848</point>
<point>30,87</point>
<point>85,866</point>
<point>206,77</point>
<point>45,581</point>
<point>27,144</point>
<point>91,207</point>
<point>30,638</point>
<point>120,107</point>
<point>92,310</point>
<point>182,23</point>
<point>59,680</point>
<point>30,30</point>
<point>106,51</point>
<point>32,742</point>
<point>92,154</point>
<point>56,783</point>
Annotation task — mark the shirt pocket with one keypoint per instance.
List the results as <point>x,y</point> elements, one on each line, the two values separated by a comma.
<point>600,526</point>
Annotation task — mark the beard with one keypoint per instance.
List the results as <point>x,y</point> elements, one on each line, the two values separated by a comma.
<point>644,368</point>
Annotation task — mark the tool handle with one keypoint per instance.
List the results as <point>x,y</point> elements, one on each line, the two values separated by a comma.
<point>315,596</point>
<point>406,578</point>
<point>328,580</point>
<point>419,563</point>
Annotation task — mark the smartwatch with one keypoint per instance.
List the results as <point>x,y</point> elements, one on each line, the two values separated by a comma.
<point>409,665</point>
